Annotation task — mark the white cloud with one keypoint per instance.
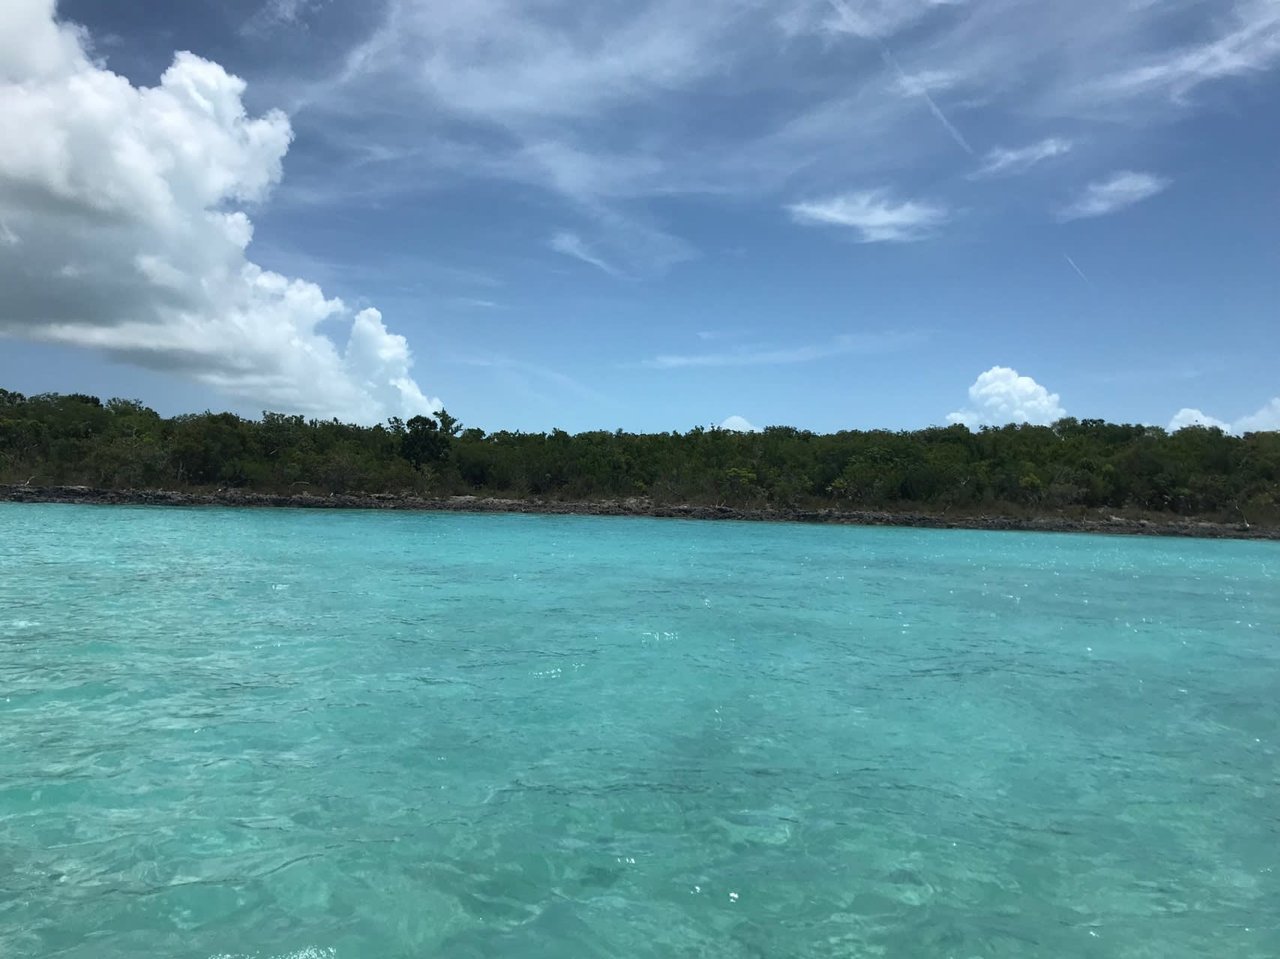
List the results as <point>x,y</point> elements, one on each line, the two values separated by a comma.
<point>1265,420</point>
<point>570,244</point>
<point>1001,395</point>
<point>1120,190</point>
<point>605,110</point>
<point>872,19</point>
<point>876,216</point>
<point>846,345</point>
<point>919,84</point>
<point>736,424</point>
<point>607,105</point>
<point>925,81</point>
<point>1192,417</point>
<point>278,13</point>
<point>511,63</point>
<point>1007,162</point>
<point>125,200</point>
<point>1250,44</point>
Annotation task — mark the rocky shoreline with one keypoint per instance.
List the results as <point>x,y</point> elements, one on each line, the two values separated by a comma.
<point>633,507</point>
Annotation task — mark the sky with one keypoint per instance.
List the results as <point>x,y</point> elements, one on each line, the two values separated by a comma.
<point>647,214</point>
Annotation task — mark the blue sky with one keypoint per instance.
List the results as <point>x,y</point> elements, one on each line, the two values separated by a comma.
<point>648,214</point>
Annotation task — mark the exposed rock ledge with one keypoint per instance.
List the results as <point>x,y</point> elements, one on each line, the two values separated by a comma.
<point>634,507</point>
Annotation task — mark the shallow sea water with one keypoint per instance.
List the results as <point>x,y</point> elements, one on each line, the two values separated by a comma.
<point>345,735</point>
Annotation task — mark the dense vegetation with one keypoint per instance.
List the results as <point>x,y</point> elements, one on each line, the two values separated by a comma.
<point>1071,466</point>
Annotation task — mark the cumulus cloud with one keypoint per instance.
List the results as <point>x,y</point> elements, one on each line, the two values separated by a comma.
<point>875,214</point>
<point>737,424</point>
<point>1001,395</point>
<point>1120,190</point>
<point>1188,416</point>
<point>1264,420</point>
<point>125,228</point>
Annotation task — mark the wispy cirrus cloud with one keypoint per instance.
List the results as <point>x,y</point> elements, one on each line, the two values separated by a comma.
<point>1116,192</point>
<point>925,81</point>
<point>849,344</point>
<point>1001,161</point>
<point>278,13</point>
<point>531,372</point>
<point>711,336</point>
<point>1249,44</point>
<point>920,85</point>
<point>570,244</point>
<point>869,19</point>
<point>603,111</point>
<point>874,214</point>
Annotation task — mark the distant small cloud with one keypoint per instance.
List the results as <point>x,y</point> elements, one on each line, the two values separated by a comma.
<point>876,216</point>
<point>925,81</point>
<point>570,244</point>
<point>1001,161</point>
<point>475,303</point>
<point>849,344</point>
<point>736,424</point>
<point>1001,395</point>
<point>1265,420</point>
<point>715,336</point>
<point>1120,190</point>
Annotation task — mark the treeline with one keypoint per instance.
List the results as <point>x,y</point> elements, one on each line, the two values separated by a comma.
<point>1074,465</point>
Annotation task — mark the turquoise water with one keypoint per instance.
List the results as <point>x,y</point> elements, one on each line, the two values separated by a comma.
<point>352,735</point>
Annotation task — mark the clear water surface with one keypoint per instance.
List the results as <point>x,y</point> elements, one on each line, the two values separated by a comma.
<point>358,735</point>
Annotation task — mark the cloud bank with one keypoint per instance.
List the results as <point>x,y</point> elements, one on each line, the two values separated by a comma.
<point>1001,395</point>
<point>1264,420</point>
<point>124,230</point>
